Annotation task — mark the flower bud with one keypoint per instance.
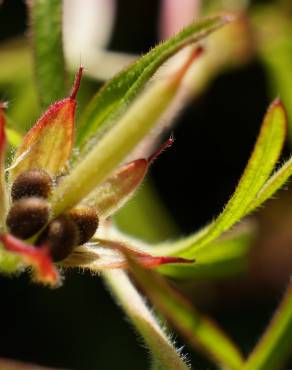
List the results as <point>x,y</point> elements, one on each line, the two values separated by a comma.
<point>86,220</point>
<point>32,183</point>
<point>27,216</point>
<point>61,235</point>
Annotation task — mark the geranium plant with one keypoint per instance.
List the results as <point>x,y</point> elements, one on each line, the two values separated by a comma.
<point>57,203</point>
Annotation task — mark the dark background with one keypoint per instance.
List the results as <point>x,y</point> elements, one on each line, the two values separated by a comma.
<point>78,326</point>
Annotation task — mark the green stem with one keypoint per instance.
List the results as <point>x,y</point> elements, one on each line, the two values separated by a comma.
<point>276,343</point>
<point>196,328</point>
<point>46,30</point>
<point>143,320</point>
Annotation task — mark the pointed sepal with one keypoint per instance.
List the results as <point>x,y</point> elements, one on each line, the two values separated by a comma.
<point>106,254</point>
<point>38,258</point>
<point>119,188</point>
<point>48,144</point>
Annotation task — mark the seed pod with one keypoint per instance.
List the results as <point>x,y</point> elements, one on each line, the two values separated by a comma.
<point>61,236</point>
<point>32,183</point>
<point>27,216</point>
<point>86,219</point>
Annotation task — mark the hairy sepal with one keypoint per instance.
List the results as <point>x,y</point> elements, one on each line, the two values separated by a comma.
<point>118,188</point>
<point>48,144</point>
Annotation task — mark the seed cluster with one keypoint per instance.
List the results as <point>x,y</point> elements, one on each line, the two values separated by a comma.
<point>30,212</point>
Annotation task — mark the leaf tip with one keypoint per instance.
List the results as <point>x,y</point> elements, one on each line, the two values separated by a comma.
<point>278,105</point>
<point>277,102</point>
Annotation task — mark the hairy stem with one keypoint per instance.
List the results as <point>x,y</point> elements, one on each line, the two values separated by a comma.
<point>146,324</point>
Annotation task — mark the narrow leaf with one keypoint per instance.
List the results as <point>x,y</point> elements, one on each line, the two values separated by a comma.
<point>48,144</point>
<point>99,163</point>
<point>46,31</point>
<point>276,344</point>
<point>3,194</point>
<point>143,320</point>
<point>36,257</point>
<point>227,256</point>
<point>260,165</point>
<point>275,182</point>
<point>118,93</point>
<point>198,330</point>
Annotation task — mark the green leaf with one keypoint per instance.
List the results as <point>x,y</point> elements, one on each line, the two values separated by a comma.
<point>275,182</point>
<point>222,258</point>
<point>260,165</point>
<point>197,329</point>
<point>113,99</point>
<point>46,30</point>
<point>143,320</point>
<point>275,345</point>
<point>113,147</point>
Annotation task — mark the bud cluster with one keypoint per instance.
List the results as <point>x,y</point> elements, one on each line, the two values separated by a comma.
<point>30,212</point>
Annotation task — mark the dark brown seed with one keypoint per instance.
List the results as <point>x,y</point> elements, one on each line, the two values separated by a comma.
<point>32,183</point>
<point>86,219</point>
<point>27,216</point>
<point>61,236</point>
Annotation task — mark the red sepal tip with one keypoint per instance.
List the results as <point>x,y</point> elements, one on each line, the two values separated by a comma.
<point>149,261</point>
<point>39,258</point>
<point>77,82</point>
<point>167,144</point>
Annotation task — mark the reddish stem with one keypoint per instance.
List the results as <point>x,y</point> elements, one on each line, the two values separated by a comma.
<point>76,84</point>
<point>195,54</point>
<point>167,144</point>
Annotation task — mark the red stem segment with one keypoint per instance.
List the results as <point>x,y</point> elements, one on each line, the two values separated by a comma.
<point>167,144</point>
<point>77,82</point>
